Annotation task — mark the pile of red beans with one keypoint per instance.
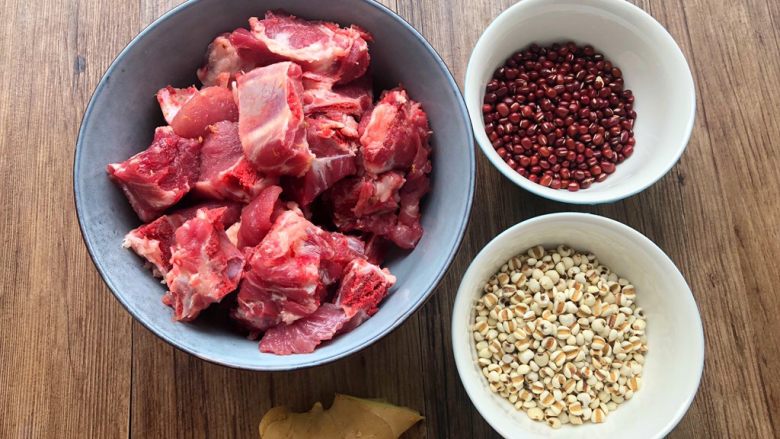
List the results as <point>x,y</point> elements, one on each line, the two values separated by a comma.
<point>559,115</point>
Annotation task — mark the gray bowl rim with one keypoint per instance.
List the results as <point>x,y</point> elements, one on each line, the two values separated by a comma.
<point>461,227</point>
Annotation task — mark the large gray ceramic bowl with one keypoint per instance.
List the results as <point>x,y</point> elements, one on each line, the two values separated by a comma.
<point>123,113</point>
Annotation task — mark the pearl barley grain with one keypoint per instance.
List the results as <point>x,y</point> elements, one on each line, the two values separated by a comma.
<point>560,336</point>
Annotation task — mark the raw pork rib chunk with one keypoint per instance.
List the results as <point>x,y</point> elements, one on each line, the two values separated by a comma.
<point>156,179</point>
<point>222,63</point>
<point>395,151</point>
<point>354,98</point>
<point>367,203</point>
<point>258,216</point>
<point>153,241</point>
<point>206,266</point>
<point>230,215</point>
<point>364,285</point>
<point>408,231</point>
<point>392,134</point>
<point>335,148</point>
<point>282,277</point>
<point>206,107</point>
<point>224,171</point>
<point>252,52</point>
<point>287,274</point>
<point>328,52</point>
<point>304,335</point>
<point>271,124</point>
<point>172,99</point>
<point>232,53</point>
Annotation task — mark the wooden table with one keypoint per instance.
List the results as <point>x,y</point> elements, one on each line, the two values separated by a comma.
<point>73,363</point>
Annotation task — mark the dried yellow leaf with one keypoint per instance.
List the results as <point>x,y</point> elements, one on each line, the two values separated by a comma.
<point>347,418</point>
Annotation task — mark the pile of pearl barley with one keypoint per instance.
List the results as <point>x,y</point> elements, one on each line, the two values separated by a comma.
<point>559,336</point>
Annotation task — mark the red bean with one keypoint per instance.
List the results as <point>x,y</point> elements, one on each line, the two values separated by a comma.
<point>559,115</point>
<point>584,184</point>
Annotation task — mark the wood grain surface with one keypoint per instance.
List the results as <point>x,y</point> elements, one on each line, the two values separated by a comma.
<point>74,364</point>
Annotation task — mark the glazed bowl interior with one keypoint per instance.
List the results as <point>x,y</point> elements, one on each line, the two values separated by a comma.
<point>675,339</point>
<point>653,67</point>
<point>123,113</point>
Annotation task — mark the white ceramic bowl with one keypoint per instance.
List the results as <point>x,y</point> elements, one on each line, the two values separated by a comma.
<point>653,67</point>
<point>675,338</point>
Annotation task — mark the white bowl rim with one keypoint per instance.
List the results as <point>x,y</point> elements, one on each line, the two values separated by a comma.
<point>561,195</point>
<point>463,299</point>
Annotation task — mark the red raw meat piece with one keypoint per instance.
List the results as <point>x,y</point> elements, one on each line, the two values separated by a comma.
<point>153,241</point>
<point>230,215</point>
<point>251,50</point>
<point>225,57</point>
<point>332,54</point>
<point>329,136</point>
<point>270,124</point>
<point>376,248</point>
<point>354,98</point>
<point>334,159</point>
<point>390,137</point>
<point>336,251</point>
<point>224,171</point>
<point>287,273</point>
<point>209,106</point>
<point>206,266</point>
<point>386,205</point>
<point>378,194</point>
<point>172,99</point>
<point>408,231</point>
<point>368,204</point>
<point>363,286</point>
<point>156,179</point>
<point>368,195</point>
<point>257,217</point>
<point>282,276</point>
<point>221,64</point>
<point>304,335</point>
